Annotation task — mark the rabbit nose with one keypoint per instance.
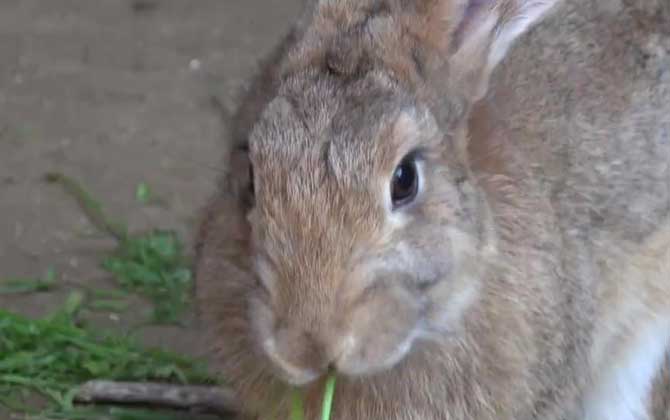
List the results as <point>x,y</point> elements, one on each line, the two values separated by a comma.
<point>299,356</point>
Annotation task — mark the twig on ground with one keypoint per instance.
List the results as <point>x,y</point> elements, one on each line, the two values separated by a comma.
<point>212,399</point>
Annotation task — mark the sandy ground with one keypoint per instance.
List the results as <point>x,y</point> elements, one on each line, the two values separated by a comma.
<point>114,93</point>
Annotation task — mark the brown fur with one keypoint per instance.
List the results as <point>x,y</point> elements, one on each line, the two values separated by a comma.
<point>660,402</point>
<point>538,249</point>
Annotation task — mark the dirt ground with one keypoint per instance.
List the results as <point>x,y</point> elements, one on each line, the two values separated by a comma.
<point>114,93</point>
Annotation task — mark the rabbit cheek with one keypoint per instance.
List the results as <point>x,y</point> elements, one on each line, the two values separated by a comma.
<point>384,327</point>
<point>446,307</point>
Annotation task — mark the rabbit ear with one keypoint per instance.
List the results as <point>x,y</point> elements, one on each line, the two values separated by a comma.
<point>478,34</point>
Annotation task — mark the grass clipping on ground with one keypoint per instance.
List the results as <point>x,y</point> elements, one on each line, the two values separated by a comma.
<point>152,264</point>
<point>54,355</point>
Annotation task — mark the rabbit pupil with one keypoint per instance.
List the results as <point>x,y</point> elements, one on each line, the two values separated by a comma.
<point>405,183</point>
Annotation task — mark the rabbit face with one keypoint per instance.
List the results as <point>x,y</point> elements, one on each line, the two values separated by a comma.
<point>366,239</point>
<point>352,233</point>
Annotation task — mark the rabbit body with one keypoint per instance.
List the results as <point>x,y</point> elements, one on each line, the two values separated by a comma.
<point>529,278</point>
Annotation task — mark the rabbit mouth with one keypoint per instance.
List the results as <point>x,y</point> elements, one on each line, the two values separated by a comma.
<point>352,357</point>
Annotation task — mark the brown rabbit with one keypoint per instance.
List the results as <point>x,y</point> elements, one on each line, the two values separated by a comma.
<point>462,212</point>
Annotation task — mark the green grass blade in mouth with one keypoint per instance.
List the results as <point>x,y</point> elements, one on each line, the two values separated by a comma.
<point>297,404</point>
<point>328,396</point>
<point>297,408</point>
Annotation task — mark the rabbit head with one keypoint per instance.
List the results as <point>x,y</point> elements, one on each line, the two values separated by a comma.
<point>355,228</point>
<point>351,227</point>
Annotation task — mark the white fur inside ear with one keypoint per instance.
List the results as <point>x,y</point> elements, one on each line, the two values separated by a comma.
<point>527,13</point>
<point>622,391</point>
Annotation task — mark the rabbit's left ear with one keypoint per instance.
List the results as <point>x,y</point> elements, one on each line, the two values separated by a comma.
<point>483,35</point>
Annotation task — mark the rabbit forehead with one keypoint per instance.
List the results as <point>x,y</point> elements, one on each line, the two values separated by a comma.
<point>323,157</point>
<point>351,134</point>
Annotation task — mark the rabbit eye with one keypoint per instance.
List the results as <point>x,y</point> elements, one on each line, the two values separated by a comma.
<point>405,182</point>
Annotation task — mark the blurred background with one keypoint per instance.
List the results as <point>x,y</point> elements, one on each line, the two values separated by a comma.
<point>117,95</point>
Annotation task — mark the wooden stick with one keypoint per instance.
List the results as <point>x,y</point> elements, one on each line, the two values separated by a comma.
<point>212,399</point>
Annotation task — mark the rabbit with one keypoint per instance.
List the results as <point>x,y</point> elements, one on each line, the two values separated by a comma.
<point>460,208</point>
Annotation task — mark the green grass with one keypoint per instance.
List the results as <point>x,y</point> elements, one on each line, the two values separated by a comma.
<point>143,193</point>
<point>328,396</point>
<point>50,358</point>
<point>26,285</point>
<point>297,405</point>
<point>53,356</point>
<point>89,205</point>
<point>152,264</point>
